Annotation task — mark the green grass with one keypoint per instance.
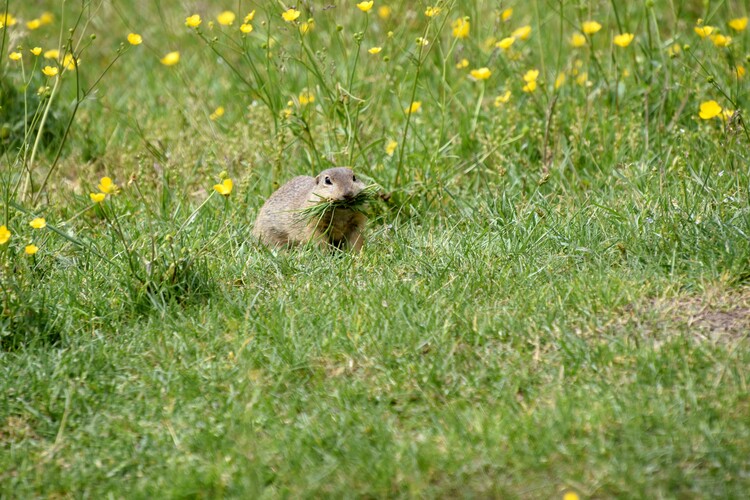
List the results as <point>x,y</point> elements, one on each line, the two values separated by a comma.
<point>553,295</point>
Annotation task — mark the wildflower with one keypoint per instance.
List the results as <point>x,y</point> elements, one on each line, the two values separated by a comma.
<point>738,24</point>
<point>739,70</point>
<point>226,18</point>
<point>70,62</point>
<point>306,97</point>
<point>530,86</point>
<point>52,54</point>
<point>413,108</point>
<point>8,20</point>
<point>674,50</point>
<point>135,39</point>
<point>577,40</point>
<point>591,27</point>
<point>391,147</point>
<point>34,24</point>
<point>523,32</point>
<point>709,109</point>
<point>582,79</point>
<point>248,18</point>
<point>422,41</point>
<point>307,26</point>
<point>46,18</point>
<point>374,50</point>
<point>480,74</point>
<point>571,495</point>
<point>38,223</point>
<point>505,15</point>
<point>506,42</point>
<point>384,12</point>
<point>502,99</point>
<point>4,235</point>
<point>225,188</point>
<point>106,185</point>
<point>461,27</point>
<point>365,6</point>
<point>704,31</point>
<point>432,11</point>
<point>36,51</point>
<point>727,115</point>
<point>97,197</point>
<point>721,40</point>
<point>246,28</point>
<point>193,21</point>
<point>15,56</point>
<point>49,71</point>
<point>623,40</point>
<point>290,15</point>
<point>559,81</point>
<point>463,63</point>
<point>531,75</point>
<point>171,58</point>
<point>31,249</point>
<point>218,113</point>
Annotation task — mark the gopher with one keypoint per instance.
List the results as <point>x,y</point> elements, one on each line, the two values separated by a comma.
<point>280,222</point>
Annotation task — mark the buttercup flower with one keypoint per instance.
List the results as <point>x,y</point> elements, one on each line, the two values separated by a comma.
<point>530,78</point>
<point>226,18</point>
<point>506,14</point>
<point>582,79</point>
<point>97,197</point>
<point>461,27</point>
<point>577,40</point>
<point>623,40</point>
<point>391,147</point>
<point>193,21</point>
<point>413,108</point>
<point>218,113</point>
<point>46,18</point>
<point>307,26</point>
<point>171,58</point>
<point>559,81</point>
<point>384,12</point>
<point>432,11</point>
<point>225,188</point>
<point>34,24</point>
<point>704,31</point>
<point>249,17</point>
<point>481,73</point>
<point>463,63</point>
<point>365,6</point>
<point>50,71</point>
<point>738,24</point>
<point>374,50</point>
<point>306,97</point>
<point>523,32</point>
<point>8,20</point>
<point>502,99</point>
<point>591,27</point>
<point>709,109</point>
<point>70,62</point>
<point>52,54</point>
<point>4,235</point>
<point>36,51</point>
<point>135,39</point>
<point>106,185</point>
<point>31,249</point>
<point>15,56</point>
<point>506,42</point>
<point>246,28</point>
<point>290,15</point>
<point>721,40</point>
<point>571,495</point>
<point>739,70</point>
<point>38,223</point>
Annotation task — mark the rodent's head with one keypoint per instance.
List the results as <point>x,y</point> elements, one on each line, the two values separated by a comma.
<point>340,183</point>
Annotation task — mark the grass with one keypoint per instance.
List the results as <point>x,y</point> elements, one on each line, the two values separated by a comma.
<point>553,296</point>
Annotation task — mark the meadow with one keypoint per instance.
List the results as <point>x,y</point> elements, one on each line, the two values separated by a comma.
<point>552,301</point>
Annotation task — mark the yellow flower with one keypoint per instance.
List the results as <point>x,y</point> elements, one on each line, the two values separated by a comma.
<point>582,79</point>
<point>738,24</point>
<point>384,12</point>
<point>52,54</point>
<point>106,185</point>
<point>290,15</point>
<point>4,235</point>
<point>502,99</point>
<point>38,223</point>
<point>365,6</point>
<point>577,40</point>
<point>307,26</point>
<point>739,70</point>
<point>523,32</point>
<point>571,495</point>
<point>506,14</point>
<point>31,249</point>
<point>97,197</point>
<point>70,62</point>
<point>15,56</point>
<point>481,73</point>
<point>218,113</point>
<point>135,39</point>
<point>530,86</point>
<point>674,50</point>
<point>591,27</point>
<point>46,18</point>
<point>171,58</point>
<point>709,109</point>
<point>463,63</point>
<point>559,81</point>
<point>8,20</point>
<point>506,42</point>
<point>306,97</point>
<point>226,18</point>
<point>49,71</point>
<point>36,51</point>
<point>413,108</point>
<point>249,17</point>
<point>432,11</point>
<point>531,75</point>
<point>193,21</point>
<point>461,27</point>
<point>721,40</point>
<point>374,50</point>
<point>704,31</point>
<point>726,115</point>
<point>623,40</point>
<point>34,24</point>
<point>225,188</point>
<point>391,147</point>
<point>246,28</point>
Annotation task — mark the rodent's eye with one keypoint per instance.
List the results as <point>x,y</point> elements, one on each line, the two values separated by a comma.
<point>328,181</point>
<point>354,178</point>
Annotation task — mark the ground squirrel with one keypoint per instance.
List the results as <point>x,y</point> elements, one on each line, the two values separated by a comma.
<point>279,221</point>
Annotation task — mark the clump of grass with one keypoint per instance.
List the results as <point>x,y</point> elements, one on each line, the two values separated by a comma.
<point>356,203</point>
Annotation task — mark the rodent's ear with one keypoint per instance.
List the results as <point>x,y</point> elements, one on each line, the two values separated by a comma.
<point>317,179</point>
